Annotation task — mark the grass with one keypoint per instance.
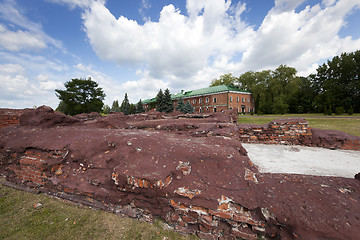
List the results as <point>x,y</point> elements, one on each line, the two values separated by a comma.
<point>344,123</point>
<point>59,219</point>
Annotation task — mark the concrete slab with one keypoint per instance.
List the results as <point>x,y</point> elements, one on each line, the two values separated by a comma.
<point>304,160</point>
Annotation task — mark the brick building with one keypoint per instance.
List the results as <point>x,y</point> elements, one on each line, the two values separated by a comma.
<point>213,99</point>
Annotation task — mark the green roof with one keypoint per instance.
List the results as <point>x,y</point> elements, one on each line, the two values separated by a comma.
<point>205,91</point>
<point>199,92</point>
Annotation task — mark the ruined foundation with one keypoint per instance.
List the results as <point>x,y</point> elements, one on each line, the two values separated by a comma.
<point>191,172</point>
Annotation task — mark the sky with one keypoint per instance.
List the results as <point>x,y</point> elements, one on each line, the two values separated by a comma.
<point>140,46</point>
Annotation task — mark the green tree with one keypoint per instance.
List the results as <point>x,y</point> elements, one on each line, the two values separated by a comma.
<point>181,105</point>
<point>106,109</point>
<point>225,79</point>
<point>125,106</point>
<point>115,106</point>
<point>140,107</point>
<point>80,96</point>
<point>132,109</point>
<point>160,106</point>
<point>338,82</point>
<point>168,103</point>
<point>189,108</point>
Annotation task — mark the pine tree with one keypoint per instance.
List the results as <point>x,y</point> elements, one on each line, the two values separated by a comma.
<point>168,104</point>
<point>125,105</point>
<point>132,109</point>
<point>181,105</point>
<point>189,108</point>
<point>115,106</point>
<point>160,101</point>
<point>140,107</point>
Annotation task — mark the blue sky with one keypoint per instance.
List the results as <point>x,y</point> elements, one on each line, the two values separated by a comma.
<point>140,46</point>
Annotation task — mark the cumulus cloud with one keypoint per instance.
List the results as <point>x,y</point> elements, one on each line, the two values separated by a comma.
<point>301,39</point>
<point>177,47</point>
<point>186,51</point>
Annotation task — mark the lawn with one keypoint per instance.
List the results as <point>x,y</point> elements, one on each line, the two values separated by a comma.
<point>59,219</point>
<point>345,123</point>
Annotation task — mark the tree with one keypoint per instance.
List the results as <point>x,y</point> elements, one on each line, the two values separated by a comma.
<point>106,109</point>
<point>225,79</point>
<point>189,108</point>
<point>132,109</point>
<point>80,96</point>
<point>160,101</point>
<point>337,82</point>
<point>181,105</point>
<point>140,107</point>
<point>167,101</point>
<point>115,106</point>
<point>125,105</point>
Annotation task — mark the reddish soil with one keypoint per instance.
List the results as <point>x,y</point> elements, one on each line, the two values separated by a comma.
<point>192,172</point>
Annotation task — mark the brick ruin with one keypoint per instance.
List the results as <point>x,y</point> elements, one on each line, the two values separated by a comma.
<point>190,171</point>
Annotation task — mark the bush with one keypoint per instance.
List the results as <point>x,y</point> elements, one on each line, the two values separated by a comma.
<point>329,112</point>
<point>339,110</point>
<point>351,110</point>
<point>325,110</point>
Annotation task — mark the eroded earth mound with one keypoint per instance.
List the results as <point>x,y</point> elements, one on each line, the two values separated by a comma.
<point>191,171</point>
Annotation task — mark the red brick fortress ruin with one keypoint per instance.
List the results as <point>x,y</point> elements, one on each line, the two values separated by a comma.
<point>189,170</point>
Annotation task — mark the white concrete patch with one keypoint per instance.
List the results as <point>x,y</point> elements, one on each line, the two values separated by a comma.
<point>304,160</point>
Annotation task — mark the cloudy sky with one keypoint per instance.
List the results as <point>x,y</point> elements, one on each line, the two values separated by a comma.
<point>140,46</point>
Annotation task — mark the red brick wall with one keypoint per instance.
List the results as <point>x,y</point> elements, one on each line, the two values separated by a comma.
<point>290,131</point>
<point>9,117</point>
<point>33,166</point>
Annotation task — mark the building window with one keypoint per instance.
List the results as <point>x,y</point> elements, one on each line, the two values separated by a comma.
<point>214,99</point>
<point>188,101</point>
<point>194,101</point>
<point>200,100</point>
<point>243,99</point>
<point>252,100</point>
<point>207,100</point>
<point>230,99</point>
<point>200,110</point>
<point>248,99</point>
<point>214,109</point>
<point>237,99</point>
<point>207,109</point>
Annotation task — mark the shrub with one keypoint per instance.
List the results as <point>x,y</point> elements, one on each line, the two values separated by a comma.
<point>339,110</point>
<point>351,110</point>
<point>329,111</point>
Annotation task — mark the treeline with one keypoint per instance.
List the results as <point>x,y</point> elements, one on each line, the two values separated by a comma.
<point>163,103</point>
<point>126,107</point>
<point>334,88</point>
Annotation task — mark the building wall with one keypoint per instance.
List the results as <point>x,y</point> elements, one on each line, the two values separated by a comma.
<point>221,101</point>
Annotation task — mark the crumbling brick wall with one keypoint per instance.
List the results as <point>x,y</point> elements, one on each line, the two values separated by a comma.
<point>297,132</point>
<point>199,183</point>
<point>287,131</point>
<point>9,117</point>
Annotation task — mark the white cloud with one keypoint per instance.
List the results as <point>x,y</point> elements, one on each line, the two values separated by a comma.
<point>32,37</point>
<point>301,39</point>
<point>182,51</point>
<point>19,40</point>
<point>176,47</point>
<point>76,3</point>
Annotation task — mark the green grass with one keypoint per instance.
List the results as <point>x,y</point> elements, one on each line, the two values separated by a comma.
<point>59,219</point>
<point>345,123</point>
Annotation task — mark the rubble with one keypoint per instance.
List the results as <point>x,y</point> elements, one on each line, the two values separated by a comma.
<point>191,172</point>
